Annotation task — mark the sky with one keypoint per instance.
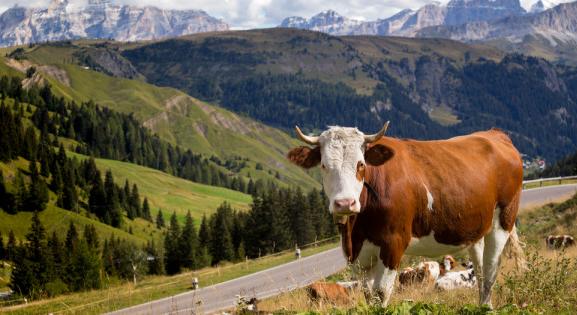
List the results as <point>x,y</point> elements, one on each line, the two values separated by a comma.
<point>244,14</point>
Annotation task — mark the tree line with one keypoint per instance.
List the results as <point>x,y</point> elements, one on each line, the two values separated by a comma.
<point>278,219</point>
<point>51,170</point>
<point>45,265</point>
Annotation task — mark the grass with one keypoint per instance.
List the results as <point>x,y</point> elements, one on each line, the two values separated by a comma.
<point>57,220</point>
<point>120,295</point>
<point>171,193</point>
<point>444,116</point>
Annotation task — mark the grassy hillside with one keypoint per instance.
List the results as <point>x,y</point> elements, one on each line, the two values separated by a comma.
<point>175,116</point>
<point>171,193</point>
<point>57,220</point>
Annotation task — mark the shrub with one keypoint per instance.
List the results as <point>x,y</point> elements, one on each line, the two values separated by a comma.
<point>548,285</point>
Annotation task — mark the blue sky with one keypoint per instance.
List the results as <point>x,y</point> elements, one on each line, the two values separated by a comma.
<point>242,14</point>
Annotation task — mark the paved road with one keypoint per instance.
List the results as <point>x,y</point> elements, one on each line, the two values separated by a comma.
<point>291,275</point>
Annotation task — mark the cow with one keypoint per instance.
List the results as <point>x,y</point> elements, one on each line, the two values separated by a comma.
<point>559,241</point>
<point>426,272</point>
<point>457,280</point>
<point>392,197</point>
<point>332,293</point>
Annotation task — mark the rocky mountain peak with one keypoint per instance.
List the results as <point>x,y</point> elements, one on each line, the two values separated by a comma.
<point>100,19</point>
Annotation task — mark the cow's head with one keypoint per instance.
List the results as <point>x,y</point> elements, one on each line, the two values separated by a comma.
<point>342,154</point>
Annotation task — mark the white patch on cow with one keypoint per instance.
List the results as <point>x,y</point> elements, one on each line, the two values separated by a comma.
<point>434,268</point>
<point>456,280</point>
<point>341,149</point>
<point>495,241</point>
<point>384,281</point>
<point>429,247</point>
<point>430,199</point>
<point>447,264</point>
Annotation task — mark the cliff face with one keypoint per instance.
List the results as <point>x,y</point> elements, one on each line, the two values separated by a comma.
<point>409,22</point>
<point>101,19</point>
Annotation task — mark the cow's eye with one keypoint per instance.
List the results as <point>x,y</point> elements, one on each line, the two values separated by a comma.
<point>323,167</point>
<point>360,165</point>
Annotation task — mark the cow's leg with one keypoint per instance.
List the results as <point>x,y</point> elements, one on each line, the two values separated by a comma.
<point>390,255</point>
<point>384,282</point>
<point>365,266</point>
<point>476,253</point>
<point>495,242</point>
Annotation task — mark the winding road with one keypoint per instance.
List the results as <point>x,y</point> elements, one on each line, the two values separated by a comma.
<point>295,274</point>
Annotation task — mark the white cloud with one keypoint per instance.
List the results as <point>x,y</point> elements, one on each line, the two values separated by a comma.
<point>241,14</point>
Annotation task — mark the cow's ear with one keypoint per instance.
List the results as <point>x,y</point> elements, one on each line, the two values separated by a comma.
<point>378,154</point>
<point>305,157</point>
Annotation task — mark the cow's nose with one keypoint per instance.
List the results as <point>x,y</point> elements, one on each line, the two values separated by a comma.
<point>345,203</point>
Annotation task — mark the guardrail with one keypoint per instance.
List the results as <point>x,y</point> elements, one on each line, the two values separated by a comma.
<point>540,181</point>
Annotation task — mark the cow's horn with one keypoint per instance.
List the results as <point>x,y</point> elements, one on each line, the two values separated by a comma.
<point>378,135</point>
<point>308,139</point>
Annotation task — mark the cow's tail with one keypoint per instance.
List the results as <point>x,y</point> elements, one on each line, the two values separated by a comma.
<point>514,250</point>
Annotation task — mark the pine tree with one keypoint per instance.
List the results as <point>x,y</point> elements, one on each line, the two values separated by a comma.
<point>160,220</point>
<point>172,260</point>
<point>11,246</point>
<point>91,237</point>
<point>204,232</point>
<point>221,247</point>
<point>2,248</point>
<point>97,199</point>
<point>134,203</point>
<point>56,254</point>
<point>21,192</point>
<point>146,210</point>
<point>37,193</point>
<point>71,238</point>
<point>301,217</point>
<point>112,203</point>
<point>6,198</point>
<point>189,243</point>
<point>83,268</point>
<point>156,261</point>
<point>31,274</point>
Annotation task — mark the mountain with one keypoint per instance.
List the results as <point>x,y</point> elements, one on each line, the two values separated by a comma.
<point>100,19</point>
<point>550,34</point>
<point>467,11</point>
<point>556,24</point>
<point>328,22</point>
<point>427,88</point>
<point>541,6</point>
<point>408,22</point>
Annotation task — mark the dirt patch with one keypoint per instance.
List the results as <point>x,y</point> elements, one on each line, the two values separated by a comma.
<point>35,80</point>
<point>153,122</point>
<point>57,73</point>
<point>200,128</point>
<point>231,122</point>
<point>23,65</point>
<point>176,102</point>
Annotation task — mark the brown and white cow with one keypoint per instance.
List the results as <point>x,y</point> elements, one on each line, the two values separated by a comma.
<point>559,241</point>
<point>428,198</point>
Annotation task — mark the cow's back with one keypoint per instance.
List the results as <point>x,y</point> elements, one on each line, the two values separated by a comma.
<point>454,185</point>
